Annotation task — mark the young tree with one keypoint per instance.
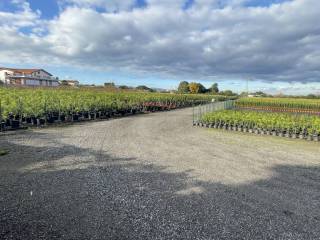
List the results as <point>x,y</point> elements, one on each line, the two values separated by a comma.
<point>183,87</point>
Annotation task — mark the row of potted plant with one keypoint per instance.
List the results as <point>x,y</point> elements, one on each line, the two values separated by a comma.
<point>16,121</point>
<point>277,124</point>
<point>302,134</point>
<point>281,104</point>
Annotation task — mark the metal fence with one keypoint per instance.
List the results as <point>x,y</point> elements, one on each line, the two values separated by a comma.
<point>200,110</point>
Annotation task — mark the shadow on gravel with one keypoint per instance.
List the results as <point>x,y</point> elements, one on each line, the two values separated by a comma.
<point>111,198</point>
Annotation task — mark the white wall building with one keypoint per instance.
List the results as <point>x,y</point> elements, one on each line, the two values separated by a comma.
<point>27,77</point>
<point>73,83</point>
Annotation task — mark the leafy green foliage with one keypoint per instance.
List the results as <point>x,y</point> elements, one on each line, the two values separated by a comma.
<point>196,88</point>
<point>265,120</point>
<point>214,88</point>
<point>144,88</point>
<point>183,87</point>
<point>284,104</point>
<point>38,102</point>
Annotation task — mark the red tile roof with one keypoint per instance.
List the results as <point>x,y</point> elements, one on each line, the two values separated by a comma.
<point>25,71</point>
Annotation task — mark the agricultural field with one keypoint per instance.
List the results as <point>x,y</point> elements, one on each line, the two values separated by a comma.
<point>38,106</point>
<point>293,118</point>
<point>310,106</point>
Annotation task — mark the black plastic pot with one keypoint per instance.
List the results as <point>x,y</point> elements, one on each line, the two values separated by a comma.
<point>3,126</point>
<point>75,118</point>
<point>15,124</point>
<point>29,120</point>
<point>50,119</point>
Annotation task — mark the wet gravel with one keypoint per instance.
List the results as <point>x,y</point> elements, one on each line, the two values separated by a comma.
<point>156,177</point>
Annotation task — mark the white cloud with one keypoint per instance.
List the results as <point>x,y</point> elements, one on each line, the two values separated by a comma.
<point>109,5</point>
<point>24,17</point>
<point>275,43</point>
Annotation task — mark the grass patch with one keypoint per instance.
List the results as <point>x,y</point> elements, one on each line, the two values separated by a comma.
<point>3,152</point>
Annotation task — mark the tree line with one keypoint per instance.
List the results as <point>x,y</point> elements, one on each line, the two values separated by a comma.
<point>196,88</point>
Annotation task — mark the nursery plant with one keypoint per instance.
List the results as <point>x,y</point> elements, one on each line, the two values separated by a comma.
<point>41,105</point>
<point>265,121</point>
<point>311,106</point>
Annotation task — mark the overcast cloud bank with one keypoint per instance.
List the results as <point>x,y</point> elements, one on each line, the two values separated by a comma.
<point>203,39</point>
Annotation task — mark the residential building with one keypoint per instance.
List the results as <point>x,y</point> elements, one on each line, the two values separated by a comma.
<point>27,77</point>
<point>73,83</point>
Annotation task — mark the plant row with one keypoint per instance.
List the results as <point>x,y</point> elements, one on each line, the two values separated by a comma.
<point>311,106</point>
<point>279,124</point>
<point>42,105</point>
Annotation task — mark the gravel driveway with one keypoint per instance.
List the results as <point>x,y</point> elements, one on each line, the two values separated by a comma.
<point>155,176</point>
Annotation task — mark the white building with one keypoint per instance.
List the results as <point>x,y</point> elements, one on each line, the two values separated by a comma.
<point>27,77</point>
<point>73,83</point>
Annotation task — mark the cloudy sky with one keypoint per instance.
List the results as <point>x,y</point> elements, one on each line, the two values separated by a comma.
<point>274,43</point>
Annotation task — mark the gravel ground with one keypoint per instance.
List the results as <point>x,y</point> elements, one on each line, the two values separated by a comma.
<point>156,177</point>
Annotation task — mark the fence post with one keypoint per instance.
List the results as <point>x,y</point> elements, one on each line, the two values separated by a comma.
<point>192,113</point>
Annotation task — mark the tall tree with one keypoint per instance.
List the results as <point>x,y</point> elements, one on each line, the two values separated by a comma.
<point>194,87</point>
<point>109,84</point>
<point>228,93</point>
<point>214,88</point>
<point>183,87</point>
<point>144,88</point>
<point>202,89</point>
